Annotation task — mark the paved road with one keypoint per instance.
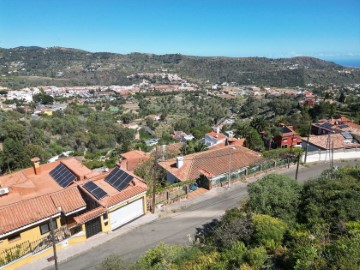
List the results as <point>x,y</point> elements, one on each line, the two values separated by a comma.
<point>178,227</point>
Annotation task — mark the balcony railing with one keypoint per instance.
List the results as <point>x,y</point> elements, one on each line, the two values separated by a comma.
<point>11,254</point>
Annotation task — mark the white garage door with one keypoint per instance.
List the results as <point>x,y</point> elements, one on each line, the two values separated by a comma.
<point>127,213</point>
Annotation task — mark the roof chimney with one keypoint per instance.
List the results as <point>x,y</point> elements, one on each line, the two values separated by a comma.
<point>36,165</point>
<point>179,162</point>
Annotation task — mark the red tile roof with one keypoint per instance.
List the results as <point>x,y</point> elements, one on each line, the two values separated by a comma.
<point>133,159</point>
<point>338,140</point>
<point>174,147</point>
<point>125,195</point>
<point>26,212</point>
<point>134,154</point>
<point>89,215</point>
<point>214,162</point>
<point>339,123</point>
<point>23,213</point>
<point>230,141</point>
<point>36,196</point>
<point>76,167</point>
<point>25,184</point>
<point>218,136</point>
<point>33,197</point>
<point>69,200</point>
<point>136,187</point>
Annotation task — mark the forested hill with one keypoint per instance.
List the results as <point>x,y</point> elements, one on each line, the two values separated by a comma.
<point>31,66</point>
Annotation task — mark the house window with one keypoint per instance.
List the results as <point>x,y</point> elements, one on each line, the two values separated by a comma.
<point>14,237</point>
<point>45,228</point>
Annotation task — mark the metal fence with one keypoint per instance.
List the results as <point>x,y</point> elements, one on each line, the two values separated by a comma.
<point>173,194</point>
<point>254,168</point>
<point>11,254</point>
<point>170,195</point>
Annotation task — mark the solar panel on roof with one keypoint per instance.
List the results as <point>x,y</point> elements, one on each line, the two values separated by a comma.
<point>119,179</point>
<point>327,125</point>
<point>62,175</point>
<point>347,135</point>
<point>286,130</point>
<point>124,182</point>
<point>343,126</point>
<point>95,190</point>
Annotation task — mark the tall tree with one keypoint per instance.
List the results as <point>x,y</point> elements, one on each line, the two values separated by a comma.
<point>259,123</point>
<point>275,195</point>
<point>270,133</point>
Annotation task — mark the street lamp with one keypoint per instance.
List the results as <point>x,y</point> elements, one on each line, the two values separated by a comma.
<point>229,177</point>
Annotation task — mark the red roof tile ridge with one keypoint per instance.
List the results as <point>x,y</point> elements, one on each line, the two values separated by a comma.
<point>190,169</point>
<point>91,214</point>
<point>35,209</point>
<point>72,202</point>
<point>39,196</point>
<point>134,154</point>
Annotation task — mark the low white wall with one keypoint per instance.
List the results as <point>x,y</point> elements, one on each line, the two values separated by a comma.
<point>327,155</point>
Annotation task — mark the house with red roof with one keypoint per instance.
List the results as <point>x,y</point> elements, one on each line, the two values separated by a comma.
<point>287,138</point>
<point>213,138</point>
<point>133,159</point>
<point>331,141</point>
<point>213,164</point>
<point>80,203</point>
<point>336,125</point>
<point>117,196</point>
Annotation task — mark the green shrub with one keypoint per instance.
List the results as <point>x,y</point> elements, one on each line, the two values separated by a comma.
<point>269,231</point>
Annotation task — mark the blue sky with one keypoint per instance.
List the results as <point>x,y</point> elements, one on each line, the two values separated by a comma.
<point>326,29</point>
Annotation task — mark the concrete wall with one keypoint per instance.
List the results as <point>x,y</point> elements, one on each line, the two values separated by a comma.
<point>338,155</point>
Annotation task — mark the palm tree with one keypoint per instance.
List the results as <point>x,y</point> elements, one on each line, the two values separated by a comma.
<point>271,132</point>
<point>259,123</point>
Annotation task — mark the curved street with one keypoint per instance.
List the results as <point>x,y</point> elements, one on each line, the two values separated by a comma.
<point>178,222</point>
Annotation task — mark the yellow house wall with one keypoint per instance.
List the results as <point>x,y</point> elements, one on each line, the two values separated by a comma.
<point>81,237</point>
<point>77,239</point>
<point>33,234</point>
<point>30,258</point>
<point>105,227</point>
<point>30,234</point>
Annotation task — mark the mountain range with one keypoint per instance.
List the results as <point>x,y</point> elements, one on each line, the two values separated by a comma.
<point>32,66</point>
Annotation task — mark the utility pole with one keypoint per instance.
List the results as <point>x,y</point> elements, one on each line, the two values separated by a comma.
<point>154,181</point>
<point>53,242</point>
<point>307,144</point>
<point>297,167</point>
<point>329,145</point>
<point>332,156</point>
<point>229,167</point>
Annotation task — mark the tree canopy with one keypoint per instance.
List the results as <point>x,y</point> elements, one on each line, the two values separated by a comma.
<point>272,230</point>
<point>275,195</point>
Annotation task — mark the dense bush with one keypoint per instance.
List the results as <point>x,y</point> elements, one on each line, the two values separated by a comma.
<point>275,195</point>
<point>322,232</point>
